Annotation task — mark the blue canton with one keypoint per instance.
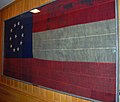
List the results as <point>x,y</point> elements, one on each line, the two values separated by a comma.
<point>18,37</point>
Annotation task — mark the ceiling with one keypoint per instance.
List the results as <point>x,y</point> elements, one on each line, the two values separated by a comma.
<point>4,3</point>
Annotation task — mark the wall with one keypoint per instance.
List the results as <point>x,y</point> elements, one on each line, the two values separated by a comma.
<point>16,91</point>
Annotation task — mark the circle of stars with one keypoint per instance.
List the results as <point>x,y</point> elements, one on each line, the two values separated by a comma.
<point>16,37</point>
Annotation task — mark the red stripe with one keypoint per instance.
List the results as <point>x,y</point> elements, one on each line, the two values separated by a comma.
<point>81,78</point>
<point>51,18</point>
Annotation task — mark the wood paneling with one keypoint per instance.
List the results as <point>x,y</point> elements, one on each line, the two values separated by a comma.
<point>119,8</point>
<point>16,91</point>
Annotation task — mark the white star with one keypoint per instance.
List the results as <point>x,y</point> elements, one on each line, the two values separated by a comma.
<point>10,38</point>
<point>13,49</point>
<point>14,25</point>
<point>15,36</point>
<point>22,35</point>
<point>21,26</point>
<point>21,42</point>
<point>18,23</point>
<point>10,45</point>
<point>11,30</point>
<point>18,48</point>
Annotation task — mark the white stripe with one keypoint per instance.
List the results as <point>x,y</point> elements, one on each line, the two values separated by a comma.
<point>91,42</point>
<point>81,37</point>
<point>108,48</point>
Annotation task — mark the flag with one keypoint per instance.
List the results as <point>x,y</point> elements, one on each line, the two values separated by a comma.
<point>69,46</point>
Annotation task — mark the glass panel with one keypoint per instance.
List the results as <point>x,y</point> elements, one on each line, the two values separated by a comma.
<point>70,46</point>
